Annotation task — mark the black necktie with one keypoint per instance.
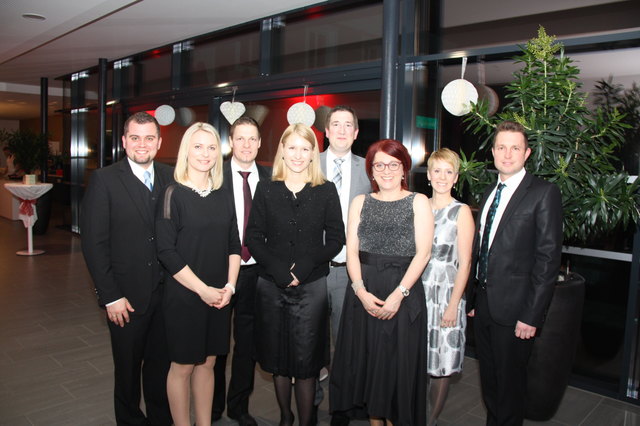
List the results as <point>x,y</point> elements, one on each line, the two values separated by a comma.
<point>483,261</point>
<point>246,191</point>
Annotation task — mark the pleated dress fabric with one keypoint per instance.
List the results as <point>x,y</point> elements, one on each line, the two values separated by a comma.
<point>378,368</point>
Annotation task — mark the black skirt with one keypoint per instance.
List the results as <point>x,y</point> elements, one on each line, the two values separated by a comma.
<point>194,329</point>
<point>292,328</point>
<point>379,366</point>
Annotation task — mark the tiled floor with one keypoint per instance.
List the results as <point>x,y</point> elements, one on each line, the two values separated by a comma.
<point>55,359</point>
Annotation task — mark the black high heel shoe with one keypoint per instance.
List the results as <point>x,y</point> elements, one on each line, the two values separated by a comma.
<point>287,421</point>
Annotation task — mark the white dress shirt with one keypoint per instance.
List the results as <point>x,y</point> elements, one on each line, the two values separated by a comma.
<point>343,192</point>
<point>512,184</point>
<point>138,170</point>
<point>238,196</point>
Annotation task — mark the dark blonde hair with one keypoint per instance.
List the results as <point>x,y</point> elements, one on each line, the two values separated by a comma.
<point>447,155</point>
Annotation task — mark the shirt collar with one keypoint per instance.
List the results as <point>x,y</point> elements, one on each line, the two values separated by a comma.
<point>331,156</point>
<point>138,170</point>
<point>235,168</point>
<point>513,181</point>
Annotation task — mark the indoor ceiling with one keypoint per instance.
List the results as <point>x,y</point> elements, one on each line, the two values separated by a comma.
<point>75,34</point>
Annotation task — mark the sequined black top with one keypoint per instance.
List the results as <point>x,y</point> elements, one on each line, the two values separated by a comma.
<point>386,227</point>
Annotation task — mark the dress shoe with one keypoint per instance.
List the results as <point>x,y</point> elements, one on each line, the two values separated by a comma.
<point>339,419</point>
<point>324,373</point>
<point>245,419</point>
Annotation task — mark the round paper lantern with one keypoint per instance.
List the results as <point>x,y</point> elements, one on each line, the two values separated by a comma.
<point>301,113</point>
<point>165,114</point>
<point>458,95</point>
<point>490,97</point>
<point>186,116</point>
<point>321,117</point>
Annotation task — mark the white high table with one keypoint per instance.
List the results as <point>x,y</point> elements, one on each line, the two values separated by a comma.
<point>28,194</point>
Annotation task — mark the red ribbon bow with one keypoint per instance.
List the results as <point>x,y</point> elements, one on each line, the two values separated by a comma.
<point>26,207</point>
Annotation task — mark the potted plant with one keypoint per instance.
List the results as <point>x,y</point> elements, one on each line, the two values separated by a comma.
<point>30,150</point>
<point>572,146</point>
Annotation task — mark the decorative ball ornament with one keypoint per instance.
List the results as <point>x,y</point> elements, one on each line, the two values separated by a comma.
<point>257,112</point>
<point>186,116</point>
<point>490,97</point>
<point>458,95</point>
<point>232,110</point>
<point>301,113</point>
<point>165,114</point>
<point>321,117</point>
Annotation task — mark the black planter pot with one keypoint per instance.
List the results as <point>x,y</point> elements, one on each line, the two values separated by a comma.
<point>554,350</point>
<point>43,208</point>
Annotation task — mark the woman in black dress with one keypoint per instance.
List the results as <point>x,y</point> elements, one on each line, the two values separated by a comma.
<point>380,357</point>
<point>294,230</point>
<point>198,244</point>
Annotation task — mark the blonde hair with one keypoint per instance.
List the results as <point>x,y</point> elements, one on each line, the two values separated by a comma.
<point>444,154</point>
<point>181,174</point>
<point>314,173</point>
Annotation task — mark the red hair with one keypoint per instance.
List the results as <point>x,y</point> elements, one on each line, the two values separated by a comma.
<point>396,150</point>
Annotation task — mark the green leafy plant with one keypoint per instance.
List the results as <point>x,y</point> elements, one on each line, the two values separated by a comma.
<point>30,150</point>
<point>571,145</point>
<point>612,96</point>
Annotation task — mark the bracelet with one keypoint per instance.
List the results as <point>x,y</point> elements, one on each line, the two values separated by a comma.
<point>232,287</point>
<point>357,285</point>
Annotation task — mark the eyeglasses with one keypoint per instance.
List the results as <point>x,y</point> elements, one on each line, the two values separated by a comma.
<point>393,166</point>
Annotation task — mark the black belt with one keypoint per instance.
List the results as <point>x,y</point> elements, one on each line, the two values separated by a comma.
<point>337,264</point>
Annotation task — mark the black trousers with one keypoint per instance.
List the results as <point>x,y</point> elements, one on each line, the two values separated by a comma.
<point>243,361</point>
<point>503,359</point>
<point>140,348</point>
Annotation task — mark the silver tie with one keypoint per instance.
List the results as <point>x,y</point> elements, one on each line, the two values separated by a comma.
<point>147,180</point>
<point>337,172</point>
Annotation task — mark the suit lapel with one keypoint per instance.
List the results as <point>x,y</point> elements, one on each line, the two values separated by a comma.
<point>514,202</point>
<point>138,193</point>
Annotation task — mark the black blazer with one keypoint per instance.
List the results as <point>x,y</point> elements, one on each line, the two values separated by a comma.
<point>283,230</point>
<point>117,225</point>
<point>524,257</point>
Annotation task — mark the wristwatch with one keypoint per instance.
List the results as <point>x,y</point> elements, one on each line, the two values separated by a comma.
<point>404,290</point>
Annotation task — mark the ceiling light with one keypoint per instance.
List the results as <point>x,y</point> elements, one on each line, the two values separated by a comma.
<point>34,16</point>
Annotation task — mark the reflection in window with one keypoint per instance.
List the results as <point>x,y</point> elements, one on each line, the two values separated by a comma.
<point>503,22</point>
<point>318,40</point>
<point>223,59</point>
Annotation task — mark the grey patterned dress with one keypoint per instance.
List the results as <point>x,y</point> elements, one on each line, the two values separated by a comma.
<point>445,346</point>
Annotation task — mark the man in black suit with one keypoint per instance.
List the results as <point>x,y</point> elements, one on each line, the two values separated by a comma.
<point>241,176</point>
<point>119,247</point>
<point>517,256</point>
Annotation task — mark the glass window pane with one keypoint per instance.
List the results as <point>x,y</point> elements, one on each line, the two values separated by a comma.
<point>222,59</point>
<point>500,22</point>
<point>319,40</point>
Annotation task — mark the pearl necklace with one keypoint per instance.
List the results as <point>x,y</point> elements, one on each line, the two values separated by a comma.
<point>201,192</point>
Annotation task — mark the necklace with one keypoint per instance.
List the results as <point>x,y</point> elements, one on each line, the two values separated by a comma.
<point>202,192</point>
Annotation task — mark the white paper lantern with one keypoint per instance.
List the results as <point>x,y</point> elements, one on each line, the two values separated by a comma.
<point>301,113</point>
<point>165,114</point>
<point>458,95</point>
<point>232,110</point>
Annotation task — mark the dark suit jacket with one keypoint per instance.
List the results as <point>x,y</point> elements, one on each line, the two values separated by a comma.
<point>524,257</point>
<point>117,226</point>
<point>264,173</point>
